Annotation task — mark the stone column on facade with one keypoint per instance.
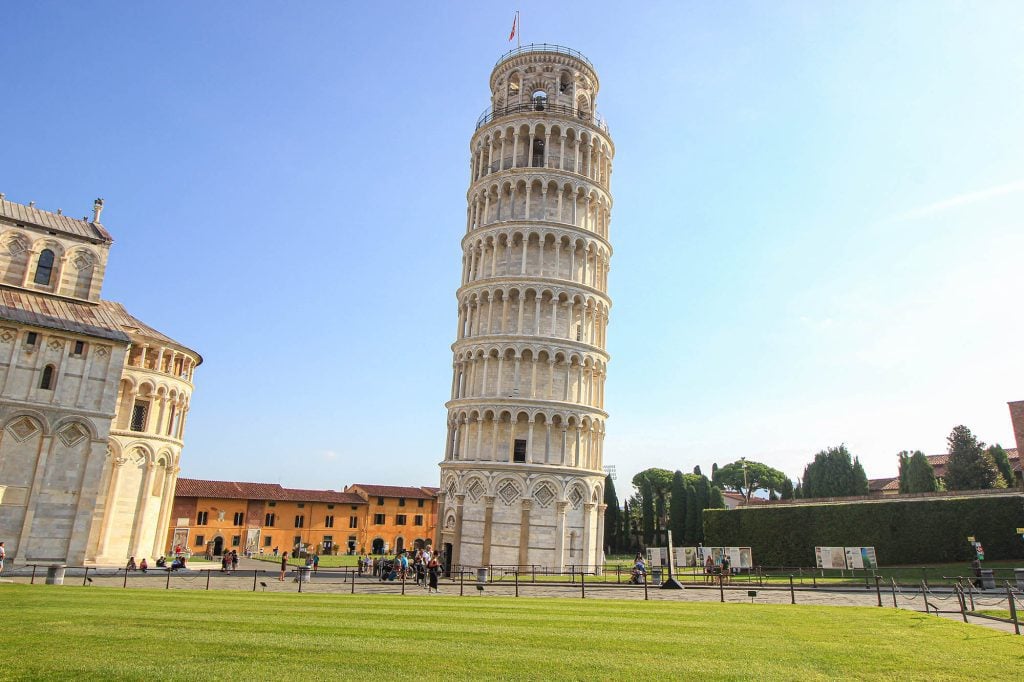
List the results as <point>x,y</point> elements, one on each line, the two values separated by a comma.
<point>109,505</point>
<point>45,451</point>
<point>485,557</point>
<point>560,510</point>
<point>588,517</point>
<point>166,506</point>
<point>135,545</point>
<point>524,533</point>
<point>457,532</point>
<point>601,508</point>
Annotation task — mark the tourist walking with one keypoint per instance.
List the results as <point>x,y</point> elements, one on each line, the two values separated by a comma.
<point>284,567</point>
<point>726,568</point>
<point>433,568</point>
<point>234,560</point>
<point>3,555</point>
<point>316,562</point>
<point>709,570</point>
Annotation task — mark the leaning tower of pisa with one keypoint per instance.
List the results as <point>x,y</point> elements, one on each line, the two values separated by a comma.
<point>521,480</point>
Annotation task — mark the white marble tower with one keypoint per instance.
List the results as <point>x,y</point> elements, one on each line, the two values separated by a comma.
<point>521,480</point>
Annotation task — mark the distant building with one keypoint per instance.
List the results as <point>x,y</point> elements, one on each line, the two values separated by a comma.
<point>93,401</point>
<point>734,500</point>
<point>211,517</point>
<point>396,517</point>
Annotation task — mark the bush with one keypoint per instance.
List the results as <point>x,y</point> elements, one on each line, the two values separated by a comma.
<point>901,531</point>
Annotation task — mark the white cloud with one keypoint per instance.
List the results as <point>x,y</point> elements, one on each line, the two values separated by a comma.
<point>963,200</point>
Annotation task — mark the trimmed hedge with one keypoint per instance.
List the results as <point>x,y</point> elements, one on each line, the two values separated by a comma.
<point>902,532</point>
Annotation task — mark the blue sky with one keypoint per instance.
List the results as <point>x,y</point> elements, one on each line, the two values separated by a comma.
<point>817,228</point>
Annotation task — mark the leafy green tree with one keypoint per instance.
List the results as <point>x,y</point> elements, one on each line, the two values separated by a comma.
<point>772,495</point>
<point>660,484</point>
<point>969,466</point>
<point>692,514</point>
<point>714,470</point>
<point>831,474</point>
<point>920,475</point>
<point>745,476</point>
<point>1002,462</point>
<point>786,490</point>
<point>678,510</point>
<point>904,467</point>
<point>696,471</point>
<point>717,501</point>
<point>798,490</point>
<point>612,523</point>
<point>860,478</point>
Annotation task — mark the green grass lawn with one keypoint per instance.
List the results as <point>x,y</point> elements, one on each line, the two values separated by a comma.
<point>96,633</point>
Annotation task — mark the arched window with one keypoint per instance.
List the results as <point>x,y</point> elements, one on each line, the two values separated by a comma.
<point>44,267</point>
<point>540,100</point>
<point>47,380</point>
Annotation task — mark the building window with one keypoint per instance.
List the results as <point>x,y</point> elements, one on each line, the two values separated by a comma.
<point>271,504</point>
<point>399,519</point>
<point>44,267</point>
<point>201,518</point>
<point>31,339</point>
<point>300,520</point>
<point>354,507</point>
<point>329,521</point>
<point>239,518</point>
<point>236,540</point>
<point>380,501</point>
<point>297,540</point>
<point>378,519</point>
<point>139,416</point>
<point>330,506</point>
<point>46,382</point>
<point>353,522</point>
<point>266,541</point>
<point>419,503</point>
<point>268,520</point>
<point>200,541</point>
<point>417,520</point>
<point>401,501</point>
<point>519,452</point>
<point>79,349</point>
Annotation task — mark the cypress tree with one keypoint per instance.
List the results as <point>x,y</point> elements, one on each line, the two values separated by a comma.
<point>860,479</point>
<point>920,474</point>
<point>612,524</point>
<point>692,513</point>
<point>678,509</point>
<point>717,501</point>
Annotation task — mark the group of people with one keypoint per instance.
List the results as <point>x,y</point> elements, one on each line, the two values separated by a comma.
<point>424,568</point>
<point>723,569</point>
<point>177,564</point>
<point>229,561</point>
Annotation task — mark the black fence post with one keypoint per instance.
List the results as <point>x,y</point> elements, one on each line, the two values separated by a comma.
<point>878,589</point>
<point>645,585</point>
<point>33,580</point>
<point>517,582</point>
<point>792,592</point>
<point>125,578</point>
<point>583,580</point>
<point>1013,609</point>
<point>254,574</point>
<point>353,584</point>
<point>85,579</point>
<point>533,571</point>
<point>168,585</point>
<point>721,588</point>
<point>462,575</point>
<point>924,595</point>
<point>894,604</point>
<point>403,583</point>
<point>963,602</point>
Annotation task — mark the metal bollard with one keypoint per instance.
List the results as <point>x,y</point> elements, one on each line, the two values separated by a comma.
<point>125,578</point>
<point>878,589</point>
<point>353,584</point>
<point>924,595</point>
<point>1013,609</point>
<point>85,579</point>
<point>168,585</point>
<point>583,589</point>
<point>894,604</point>
<point>403,583</point>
<point>645,586</point>
<point>461,577</point>
<point>517,582</point>
<point>792,592</point>
<point>208,580</point>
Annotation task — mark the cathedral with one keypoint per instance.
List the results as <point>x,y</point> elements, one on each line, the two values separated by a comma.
<point>522,480</point>
<point>93,402</point>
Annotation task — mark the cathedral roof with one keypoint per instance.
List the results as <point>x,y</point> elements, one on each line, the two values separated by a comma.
<point>133,325</point>
<point>51,312</point>
<point>57,222</point>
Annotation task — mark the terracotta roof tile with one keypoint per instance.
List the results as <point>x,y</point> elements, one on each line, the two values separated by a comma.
<point>51,312</point>
<point>134,325</point>
<point>301,495</point>
<point>395,491</point>
<point>238,490</point>
<point>31,215</point>
<point>879,484</point>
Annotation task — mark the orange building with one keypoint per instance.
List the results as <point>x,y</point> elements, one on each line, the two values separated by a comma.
<point>211,517</point>
<point>396,517</point>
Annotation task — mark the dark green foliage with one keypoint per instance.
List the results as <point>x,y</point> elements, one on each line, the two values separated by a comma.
<point>860,478</point>
<point>717,502</point>
<point>786,490</point>
<point>901,531</point>
<point>714,470</point>
<point>1002,462</point>
<point>678,511</point>
<point>693,513</point>
<point>696,471</point>
<point>904,468</point>
<point>647,498</point>
<point>703,487</point>
<point>798,491</point>
<point>920,476</point>
<point>612,522</point>
<point>831,474</point>
<point>969,466</point>
<point>772,495</point>
<point>745,476</point>
<point>659,483</point>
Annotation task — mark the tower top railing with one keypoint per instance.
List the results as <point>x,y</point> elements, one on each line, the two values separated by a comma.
<point>492,114</point>
<point>544,47</point>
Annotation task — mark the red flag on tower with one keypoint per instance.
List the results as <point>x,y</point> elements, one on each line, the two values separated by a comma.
<point>515,24</point>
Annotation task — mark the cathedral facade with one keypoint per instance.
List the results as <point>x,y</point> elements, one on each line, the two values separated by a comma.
<point>522,480</point>
<point>93,401</point>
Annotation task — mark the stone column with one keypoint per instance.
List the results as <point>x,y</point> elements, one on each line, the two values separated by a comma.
<point>457,537</point>
<point>524,533</point>
<point>588,513</point>
<point>560,509</point>
<point>600,535</point>
<point>485,558</point>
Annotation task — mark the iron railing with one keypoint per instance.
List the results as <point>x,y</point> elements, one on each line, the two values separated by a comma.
<point>544,47</point>
<point>535,106</point>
